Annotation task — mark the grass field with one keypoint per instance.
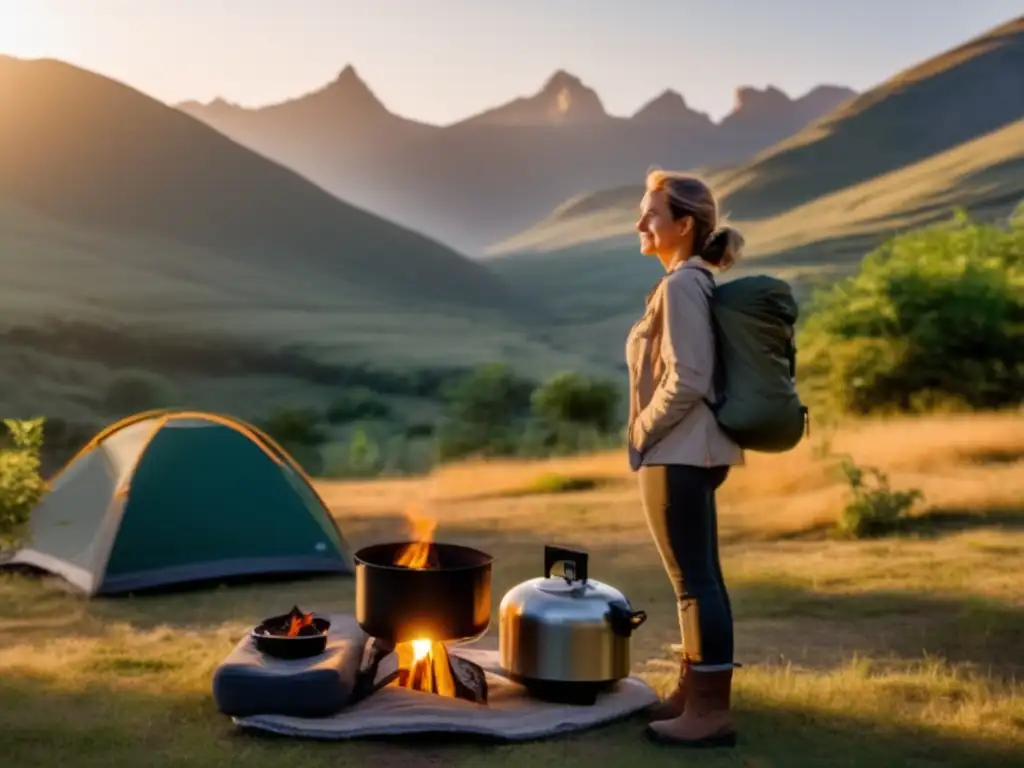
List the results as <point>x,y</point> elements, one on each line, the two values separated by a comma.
<point>147,303</point>
<point>895,652</point>
<point>143,290</point>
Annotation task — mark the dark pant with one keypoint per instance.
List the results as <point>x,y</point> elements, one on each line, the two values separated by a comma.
<point>680,505</point>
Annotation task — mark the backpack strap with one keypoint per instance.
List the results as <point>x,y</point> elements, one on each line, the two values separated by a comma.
<point>718,376</point>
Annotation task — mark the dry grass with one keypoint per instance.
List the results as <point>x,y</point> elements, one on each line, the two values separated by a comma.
<point>800,488</point>
<point>902,651</point>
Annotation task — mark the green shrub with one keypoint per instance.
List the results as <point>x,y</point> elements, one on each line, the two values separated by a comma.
<point>136,391</point>
<point>573,398</point>
<point>493,412</point>
<point>358,405</point>
<point>21,485</point>
<point>294,427</point>
<point>419,430</point>
<point>364,455</point>
<point>933,319</point>
<point>483,413</point>
<point>541,438</point>
<point>874,509</point>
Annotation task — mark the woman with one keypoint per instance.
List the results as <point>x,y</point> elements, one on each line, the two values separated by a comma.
<point>679,451</point>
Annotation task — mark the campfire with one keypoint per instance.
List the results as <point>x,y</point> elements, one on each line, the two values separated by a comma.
<point>300,623</point>
<point>418,554</point>
<point>295,623</point>
<point>424,664</point>
<point>293,635</point>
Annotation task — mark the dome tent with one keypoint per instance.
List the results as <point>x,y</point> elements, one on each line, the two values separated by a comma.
<point>167,497</point>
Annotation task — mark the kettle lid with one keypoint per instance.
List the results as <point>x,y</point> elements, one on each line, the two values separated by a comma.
<point>574,563</point>
<point>573,582</point>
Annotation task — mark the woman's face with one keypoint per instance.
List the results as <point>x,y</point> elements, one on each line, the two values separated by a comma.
<point>659,234</point>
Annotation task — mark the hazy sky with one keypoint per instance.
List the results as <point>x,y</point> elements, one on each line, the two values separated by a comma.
<point>440,60</point>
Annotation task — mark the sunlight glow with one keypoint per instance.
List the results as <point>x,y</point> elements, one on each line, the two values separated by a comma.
<point>22,31</point>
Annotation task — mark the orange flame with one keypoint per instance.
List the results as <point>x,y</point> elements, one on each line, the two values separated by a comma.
<point>297,623</point>
<point>416,555</point>
<point>424,667</point>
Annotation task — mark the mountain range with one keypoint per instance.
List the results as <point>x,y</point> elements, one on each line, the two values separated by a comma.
<point>485,177</point>
<point>125,223</point>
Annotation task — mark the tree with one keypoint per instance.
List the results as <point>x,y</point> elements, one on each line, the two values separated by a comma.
<point>295,427</point>
<point>573,398</point>
<point>364,456</point>
<point>934,317</point>
<point>482,411</point>
<point>358,404</point>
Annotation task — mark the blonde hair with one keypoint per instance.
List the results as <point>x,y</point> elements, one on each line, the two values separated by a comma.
<point>714,241</point>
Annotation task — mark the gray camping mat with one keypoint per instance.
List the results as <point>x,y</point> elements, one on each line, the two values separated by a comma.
<point>510,714</point>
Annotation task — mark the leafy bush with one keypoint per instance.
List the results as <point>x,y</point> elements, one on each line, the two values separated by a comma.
<point>541,438</point>
<point>874,508</point>
<point>420,429</point>
<point>483,413</point>
<point>370,452</point>
<point>21,485</point>
<point>135,391</point>
<point>492,412</point>
<point>358,405</point>
<point>294,427</point>
<point>933,319</point>
<point>573,398</point>
<point>364,455</point>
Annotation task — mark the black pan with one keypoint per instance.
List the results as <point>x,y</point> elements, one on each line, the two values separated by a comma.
<point>269,638</point>
<point>447,602</point>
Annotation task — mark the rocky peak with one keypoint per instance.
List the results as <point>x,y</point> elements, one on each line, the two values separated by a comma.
<point>564,98</point>
<point>669,107</point>
<point>750,99</point>
<point>350,88</point>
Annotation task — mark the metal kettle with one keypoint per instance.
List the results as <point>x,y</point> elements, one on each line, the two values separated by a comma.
<point>566,636</point>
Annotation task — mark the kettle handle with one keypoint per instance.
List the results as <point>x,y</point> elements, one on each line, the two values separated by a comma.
<point>575,562</point>
<point>623,618</point>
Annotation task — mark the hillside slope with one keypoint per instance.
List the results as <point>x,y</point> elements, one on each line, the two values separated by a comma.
<point>84,149</point>
<point>120,214</point>
<point>491,174</point>
<point>967,92</point>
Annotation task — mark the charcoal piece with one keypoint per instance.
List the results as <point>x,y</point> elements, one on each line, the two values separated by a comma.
<point>367,683</point>
<point>470,679</point>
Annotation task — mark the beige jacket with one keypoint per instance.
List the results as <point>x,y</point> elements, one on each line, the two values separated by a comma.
<point>670,353</point>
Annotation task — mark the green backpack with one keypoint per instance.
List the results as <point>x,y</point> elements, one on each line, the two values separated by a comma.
<point>758,405</point>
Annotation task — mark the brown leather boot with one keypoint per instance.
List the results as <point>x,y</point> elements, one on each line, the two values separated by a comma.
<point>707,719</point>
<point>673,705</point>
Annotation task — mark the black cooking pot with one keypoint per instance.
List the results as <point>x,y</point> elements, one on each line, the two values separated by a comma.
<point>447,602</point>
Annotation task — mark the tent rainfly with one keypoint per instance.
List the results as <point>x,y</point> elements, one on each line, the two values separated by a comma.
<point>167,497</point>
